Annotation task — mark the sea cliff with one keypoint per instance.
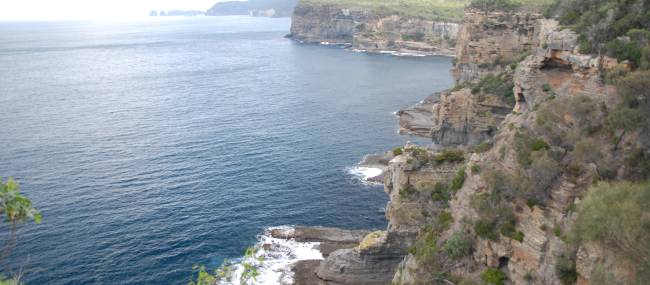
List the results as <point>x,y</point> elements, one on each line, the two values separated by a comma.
<point>365,29</point>
<point>530,124</point>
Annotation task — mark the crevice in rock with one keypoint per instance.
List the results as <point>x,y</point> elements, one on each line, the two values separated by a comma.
<point>503,262</point>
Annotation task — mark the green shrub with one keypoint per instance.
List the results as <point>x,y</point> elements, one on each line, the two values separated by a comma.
<point>613,75</point>
<point>482,147</point>
<point>492,5</point>
<point>599,24</point>
<point>538,144</point>
<point>525,144</point>
<point>475,168</point>
<point>407,190</point>
<point>458,181</point>
<point>417,37</point>
<point>518,236</point>
<point>412,250</point>
<point>508,229</point>
<point>444,220</point>
<point>494,276</point>
<point>616,216</point>
<point>440,193</point>
<point>458,245</point>
<point>633,111</point>
<point>624,118</point>
<point>485,229</point>
<point>426,248</point>
<point>449,155</point>
<point>565,269</point>
<point>623,50</point>
<point>546,87</point>
<point>540,178</point>
<point>500,85</point>
<point>398,151</point>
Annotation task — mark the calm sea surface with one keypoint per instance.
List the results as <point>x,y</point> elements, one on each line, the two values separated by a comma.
<point>152,146</point>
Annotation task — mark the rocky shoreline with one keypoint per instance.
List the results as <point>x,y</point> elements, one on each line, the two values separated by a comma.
<point>498,205</point>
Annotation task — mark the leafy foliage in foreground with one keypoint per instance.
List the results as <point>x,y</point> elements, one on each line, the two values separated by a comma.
<point>17,210</point>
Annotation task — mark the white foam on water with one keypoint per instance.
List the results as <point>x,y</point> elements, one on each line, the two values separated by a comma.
<point>273,259</point>
<point>365,173</point>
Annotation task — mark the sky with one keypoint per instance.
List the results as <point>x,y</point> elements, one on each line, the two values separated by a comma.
<point>26,10</point>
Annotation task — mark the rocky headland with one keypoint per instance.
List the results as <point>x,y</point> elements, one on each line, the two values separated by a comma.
<point>370,29</point>
<point>534,131</point>
<point>255,8</point>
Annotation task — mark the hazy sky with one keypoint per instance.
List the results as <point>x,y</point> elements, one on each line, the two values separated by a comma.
<point>92,9</point>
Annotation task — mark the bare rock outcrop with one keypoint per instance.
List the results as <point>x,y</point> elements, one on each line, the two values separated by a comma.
<point>488,41</point>
<point>455,117</point>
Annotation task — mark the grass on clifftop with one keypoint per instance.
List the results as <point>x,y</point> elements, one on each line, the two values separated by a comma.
<point>439,10</point>
<point>442,10</point>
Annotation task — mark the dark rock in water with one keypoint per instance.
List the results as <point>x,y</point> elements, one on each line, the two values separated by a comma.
<point>330,239</point>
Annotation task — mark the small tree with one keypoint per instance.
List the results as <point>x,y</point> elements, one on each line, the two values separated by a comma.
<point>17,210</point>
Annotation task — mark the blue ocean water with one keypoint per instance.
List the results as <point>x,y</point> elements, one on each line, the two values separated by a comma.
<point>155,145</point>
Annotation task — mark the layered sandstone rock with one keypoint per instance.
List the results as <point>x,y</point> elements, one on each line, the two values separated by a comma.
<point>371,31</point>
<point>554,69</point>
<point>376,260</point>
<point>455,117</point>
<point>488,41</point>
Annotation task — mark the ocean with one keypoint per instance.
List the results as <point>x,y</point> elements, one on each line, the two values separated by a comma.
<point>154,145</point>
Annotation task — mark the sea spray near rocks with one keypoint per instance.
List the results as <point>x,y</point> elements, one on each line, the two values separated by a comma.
<point>280,249</point>
<point>365,174</point>
<point>273,258</point>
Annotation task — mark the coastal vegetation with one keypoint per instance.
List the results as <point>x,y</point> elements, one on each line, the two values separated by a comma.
<point>17,211</point>
<point>449,10</point>
<point>618,28</point>
<point>506,5</point>
<point>615,216</point>
<point>249,270</point>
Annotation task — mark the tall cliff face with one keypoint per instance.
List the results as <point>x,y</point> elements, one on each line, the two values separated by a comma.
<point>517,208</point>
<point>372,31</point>
<point>489,41</point>
<point>541,112</point>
